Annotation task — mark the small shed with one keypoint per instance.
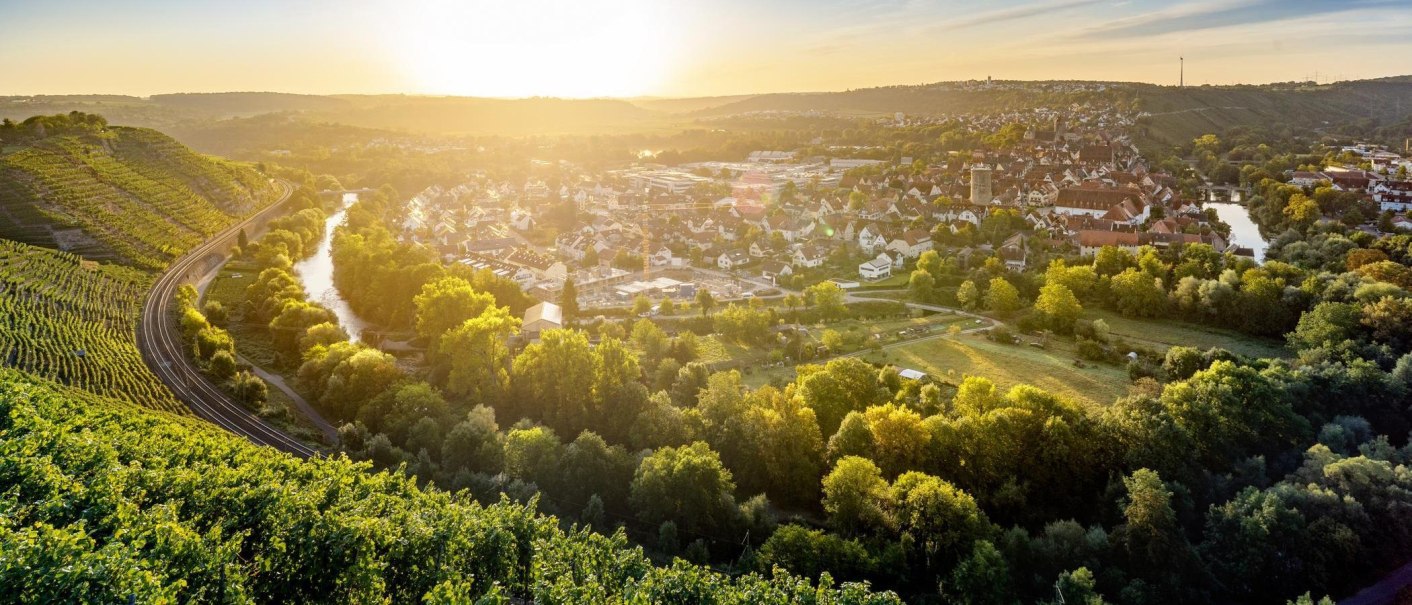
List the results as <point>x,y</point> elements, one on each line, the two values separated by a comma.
<point>541,317</point>
<point>911,374</point>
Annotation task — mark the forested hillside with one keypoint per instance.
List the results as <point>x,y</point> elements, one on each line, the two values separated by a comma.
<point>72,321</point>
<point>110,504</point>
<point>130,195</point>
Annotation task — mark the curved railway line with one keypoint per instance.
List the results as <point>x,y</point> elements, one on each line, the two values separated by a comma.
<point>166,354</point>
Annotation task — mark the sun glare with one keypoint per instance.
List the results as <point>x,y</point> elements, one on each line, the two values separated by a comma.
<point>561,48</point>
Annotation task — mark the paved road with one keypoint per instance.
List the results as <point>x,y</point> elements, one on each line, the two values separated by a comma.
<point>166,353</point>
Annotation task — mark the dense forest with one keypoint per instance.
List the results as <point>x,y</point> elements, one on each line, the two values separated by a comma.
<point>979,494</point>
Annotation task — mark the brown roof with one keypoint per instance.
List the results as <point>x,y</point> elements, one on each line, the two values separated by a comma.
<point>1095,199</point>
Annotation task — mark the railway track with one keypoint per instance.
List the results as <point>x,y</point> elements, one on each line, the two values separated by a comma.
<point>166,354</point>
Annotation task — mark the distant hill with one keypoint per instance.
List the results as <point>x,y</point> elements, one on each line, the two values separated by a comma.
<point>1179,113</point>
<point>687,104</point>
<point>129,195</point>
<point>231,104</point>
<point>473,115</point>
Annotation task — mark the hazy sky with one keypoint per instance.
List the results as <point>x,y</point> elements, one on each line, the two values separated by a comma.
<point>578,48</point>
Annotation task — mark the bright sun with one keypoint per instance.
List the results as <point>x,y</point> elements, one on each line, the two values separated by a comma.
<point>517,48</point>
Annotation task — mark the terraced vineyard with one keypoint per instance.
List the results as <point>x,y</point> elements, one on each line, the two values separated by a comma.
<point>129,195</point>
<point>73,322</point>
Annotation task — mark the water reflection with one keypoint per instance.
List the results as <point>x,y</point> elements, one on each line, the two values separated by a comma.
<point>317,274</point>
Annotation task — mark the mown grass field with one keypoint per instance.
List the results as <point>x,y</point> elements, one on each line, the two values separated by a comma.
<point>251,340</point>
<point>1052,369</point>
<point>1162,334</point>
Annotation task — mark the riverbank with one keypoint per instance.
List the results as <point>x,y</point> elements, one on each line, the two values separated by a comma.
<point>316,275</point>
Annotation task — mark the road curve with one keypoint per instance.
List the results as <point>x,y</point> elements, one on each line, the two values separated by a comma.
<point>166,354</point>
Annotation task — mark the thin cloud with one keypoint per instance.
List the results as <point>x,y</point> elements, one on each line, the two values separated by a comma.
<point>1014,14</point>
<point>1214,15</point>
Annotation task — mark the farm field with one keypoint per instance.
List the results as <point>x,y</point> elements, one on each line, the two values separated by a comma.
<point>1162,334</point>
<point>74,322</point>
<point>253,340</point>
<point>1052,369</point>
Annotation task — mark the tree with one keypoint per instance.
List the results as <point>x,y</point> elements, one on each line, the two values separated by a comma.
<point>1151,531</point>
<point>1001,297</point>
<point>968,295</point>
<point>641,305</point>
<point>833,340</point>
<point>920,286</point>
<point>827,297</point>
<point>975,397</point>
<point>397,409</point>
<point>322,335</point>
<point>1111,260</point>
<point>222,365</point>
<point>446,303</point>
<point>569,302</point>
<point>532,455</point>
<point>793,301</point>
<point>833,390</point>
<point>1059,307</point>
<point>289,327</point>
<point>1137,294</point>
<point>617,393</point>
<point>590,467</point>
<point>479,355</point>
<point>668,306</point>
<point>686,485</point>
<point>248,388</point>
<point>856,497</point>
<point>899,437</point>
<point>474,443</point>
<point>810,552</point>
<point>983,578</point>
<point>942,519</point>
<point>554,378</point>
<point>705,301</point>
<point>1302,210</point>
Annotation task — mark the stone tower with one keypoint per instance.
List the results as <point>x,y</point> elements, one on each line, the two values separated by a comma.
<point>980,185</point>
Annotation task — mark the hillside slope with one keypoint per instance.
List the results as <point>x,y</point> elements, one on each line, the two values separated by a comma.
<point>107,503</point>
<point>1181,114</point>
<point>128,195</point>
<point>73,322</point>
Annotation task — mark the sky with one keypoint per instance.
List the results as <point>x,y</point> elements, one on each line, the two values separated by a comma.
<point>678,48</point>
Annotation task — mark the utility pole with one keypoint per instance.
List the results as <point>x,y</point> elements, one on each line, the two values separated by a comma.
<point>1181,75</point>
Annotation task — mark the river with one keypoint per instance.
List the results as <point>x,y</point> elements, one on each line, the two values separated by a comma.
<point>1243,230</point>
<point>317,274</point>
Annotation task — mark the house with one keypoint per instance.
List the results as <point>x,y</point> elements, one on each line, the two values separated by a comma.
<point>1014,251</point>
<point>733,260</point>
<point>1090,241</point>
<point>809,256</point>
<point>790,228</point>
<point>521,220</point>
<point>662,257</point>
<point>1393,195</point>
<point>541,317</point>
<point>871,238</point>
<point>773,270</point>
<point>1098,202</point>
<point>877,268</point>
<point>912,243</point>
